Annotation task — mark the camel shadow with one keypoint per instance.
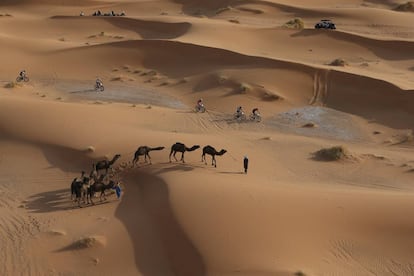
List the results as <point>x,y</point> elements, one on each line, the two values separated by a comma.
<point>175,167</point>
<point>161,245</point>
<point>51,201</point>
<point>58,200</point>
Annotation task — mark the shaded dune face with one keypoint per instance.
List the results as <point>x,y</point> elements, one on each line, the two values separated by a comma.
<point>161,244</point>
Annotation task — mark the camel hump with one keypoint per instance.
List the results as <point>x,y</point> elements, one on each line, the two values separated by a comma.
<point>178,143</point>
<point>208,148</point>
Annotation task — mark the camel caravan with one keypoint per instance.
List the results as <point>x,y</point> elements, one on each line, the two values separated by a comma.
<point>100,179</point>
<point>84,188</point>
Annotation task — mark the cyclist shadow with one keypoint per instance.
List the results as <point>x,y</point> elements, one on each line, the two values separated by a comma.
<point>82,91</point>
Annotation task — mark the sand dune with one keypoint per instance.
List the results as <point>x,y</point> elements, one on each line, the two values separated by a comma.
<point>291,214</point>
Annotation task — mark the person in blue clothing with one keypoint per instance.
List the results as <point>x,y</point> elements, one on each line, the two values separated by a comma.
<point>118,190</point>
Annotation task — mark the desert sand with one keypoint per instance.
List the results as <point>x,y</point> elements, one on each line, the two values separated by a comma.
<point>293,213</point>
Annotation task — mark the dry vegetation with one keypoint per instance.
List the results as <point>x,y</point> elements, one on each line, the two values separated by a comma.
<point>12,84</point>
<point>309,125</point>
<point>296,23</point>
<point>234,21</point>
<point>406,7</point>
<point>244,88</point>
<point>331,154</point>
<point>338,62</point>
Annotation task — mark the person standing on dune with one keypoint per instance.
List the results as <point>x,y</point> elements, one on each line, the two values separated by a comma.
<point>245,163</point>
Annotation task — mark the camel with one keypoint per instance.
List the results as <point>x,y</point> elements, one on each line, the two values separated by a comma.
<point>180,147</point>
<point>79,188</point>
<point>211,151</point>
<point>74,185</point>
<point>144,150</point>
<point>100,187</point>
<point>105,164</point>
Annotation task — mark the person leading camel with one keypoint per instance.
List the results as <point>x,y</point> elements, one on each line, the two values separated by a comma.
<point>213,152</point>
<point>180,147</point>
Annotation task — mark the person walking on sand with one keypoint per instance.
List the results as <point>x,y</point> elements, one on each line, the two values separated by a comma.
<point>245,163</point>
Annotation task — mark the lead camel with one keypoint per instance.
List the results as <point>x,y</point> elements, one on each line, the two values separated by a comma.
<point>213,152</point>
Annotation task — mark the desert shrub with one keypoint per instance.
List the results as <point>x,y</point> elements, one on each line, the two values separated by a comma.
<point>149,73</point>
<point>309,125</point>
<point>244,88</point>
<point>11,84</point>
<point>338,62</point>
<point>296,23</point>
<point>331,154</point>
<point>408,6</point>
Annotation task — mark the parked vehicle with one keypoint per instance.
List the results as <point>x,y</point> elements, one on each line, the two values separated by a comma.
<point>325,24</point>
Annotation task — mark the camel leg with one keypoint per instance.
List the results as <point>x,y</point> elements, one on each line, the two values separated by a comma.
<point>182,157</point>
<point>174,156</point>
<point>170,156</point>
<point>149,157</point>
<point>214,159</point>
<point>91,195</point>
<point>135,161</point>
<point>102,195</point>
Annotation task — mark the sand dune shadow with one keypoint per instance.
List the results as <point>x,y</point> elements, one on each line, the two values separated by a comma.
<point>161,245</point>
